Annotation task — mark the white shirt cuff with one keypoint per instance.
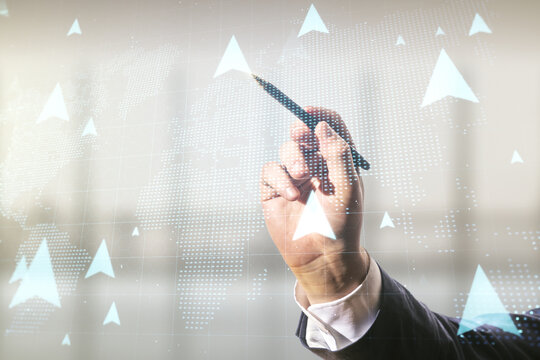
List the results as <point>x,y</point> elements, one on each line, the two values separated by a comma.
<point>335,325</point>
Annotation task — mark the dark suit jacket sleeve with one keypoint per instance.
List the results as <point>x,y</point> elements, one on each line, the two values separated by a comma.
<point>406,329</point>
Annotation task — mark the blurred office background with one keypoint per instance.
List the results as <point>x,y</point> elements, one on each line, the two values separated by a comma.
<point>121,140</point>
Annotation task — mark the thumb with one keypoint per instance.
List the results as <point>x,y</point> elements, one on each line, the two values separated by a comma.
<point>337,154</point>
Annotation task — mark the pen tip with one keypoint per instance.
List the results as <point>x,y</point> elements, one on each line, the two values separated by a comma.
<point>259,80</point>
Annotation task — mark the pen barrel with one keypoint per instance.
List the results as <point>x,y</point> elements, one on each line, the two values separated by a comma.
<point>359,161</point>
<point>308,119</point>
<point>293,107</point>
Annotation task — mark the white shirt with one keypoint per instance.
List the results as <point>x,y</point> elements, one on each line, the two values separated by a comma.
<point>335,325</point>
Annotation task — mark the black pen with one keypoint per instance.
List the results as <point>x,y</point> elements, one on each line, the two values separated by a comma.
<point>308,119</point>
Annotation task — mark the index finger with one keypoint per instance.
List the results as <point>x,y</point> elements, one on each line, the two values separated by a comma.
<point>301,133</point>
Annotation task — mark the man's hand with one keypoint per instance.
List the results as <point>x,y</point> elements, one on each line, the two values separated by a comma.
<point>327,269</point>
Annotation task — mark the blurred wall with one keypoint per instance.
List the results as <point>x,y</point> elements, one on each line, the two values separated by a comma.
<point>167,174</point>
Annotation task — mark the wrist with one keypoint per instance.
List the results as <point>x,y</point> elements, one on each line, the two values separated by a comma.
<point>332,276</point>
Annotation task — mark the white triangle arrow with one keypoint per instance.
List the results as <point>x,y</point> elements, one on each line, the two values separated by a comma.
<point>55,106</point>
<point>313,220</point>
<point>485,307</point>
<point>112,316</point>
<point>90,128</point>
<point>386,221</point>
<point>39,280</point>
<point>516,158</point>
<point>478,26</point>
<point>312,22</point>
<point>101,262</point>
<point>446,80</point>
<point>75,28</point>
<point>233,59</point>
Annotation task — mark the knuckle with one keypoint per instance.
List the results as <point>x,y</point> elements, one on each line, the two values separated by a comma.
<point>339,147</point>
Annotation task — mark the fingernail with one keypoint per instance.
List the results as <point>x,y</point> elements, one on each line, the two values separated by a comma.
<point>291,192</point>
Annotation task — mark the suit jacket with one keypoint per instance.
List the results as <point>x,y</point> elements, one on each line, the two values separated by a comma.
<point>406,329</point>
